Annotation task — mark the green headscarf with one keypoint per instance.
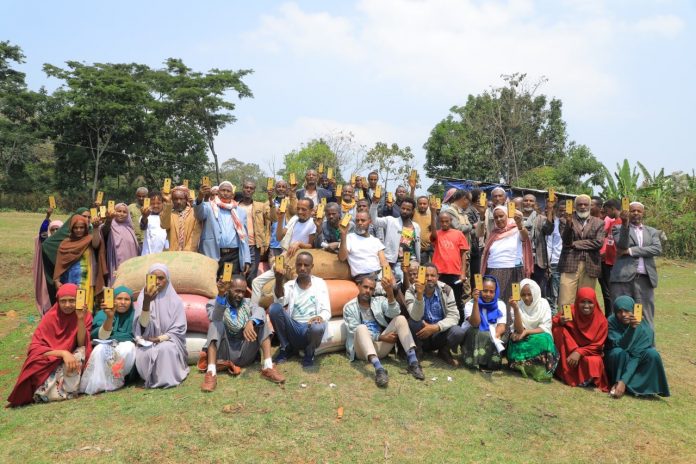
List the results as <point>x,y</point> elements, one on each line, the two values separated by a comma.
<point>621,335</point>
<point>122,330</point>
<point>624,303</point>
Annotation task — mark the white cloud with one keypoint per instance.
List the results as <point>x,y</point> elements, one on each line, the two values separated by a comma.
<point>668,26</point>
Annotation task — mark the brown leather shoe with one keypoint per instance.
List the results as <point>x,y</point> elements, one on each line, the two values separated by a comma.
<point>209,382</point>
<point>232,368</point>
<point>202,362</point>
<point>273,375</point>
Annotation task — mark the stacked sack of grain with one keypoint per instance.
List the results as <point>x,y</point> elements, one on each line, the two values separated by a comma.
<point>193,276</point>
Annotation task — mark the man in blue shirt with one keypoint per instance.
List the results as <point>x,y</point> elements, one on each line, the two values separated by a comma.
<point>237,329</point>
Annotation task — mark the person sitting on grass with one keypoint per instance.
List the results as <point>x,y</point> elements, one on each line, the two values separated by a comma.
<point>113,355</point>
<point>159,329</point>
<point>633,365</point>
<point>485,320</point>
<point>301,311</point>
<point>531,350</point>
<point>580,342</point>
<point>237,330</point>
<point>58,349</point>
<point>434,316</point>
<point>370,336</point>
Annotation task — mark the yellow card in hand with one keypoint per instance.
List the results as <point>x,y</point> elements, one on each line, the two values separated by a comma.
<point>568,312</point>
<point>516,291</point>
<point>346,220</point>
<point>269,184</point>
<point>407,258</point>
<point>93,212</point>
<point>283,205</point>
<point>167,187</point>
<point>111,206</point>
<point>478,279</point>
<point>109,297</point>
<point>102,211</point>
<point>390,197</point>
<point>339,191</point>
<point>552,195</point>
<point>293,180</point>
<point>52,202</point>
<point>482,200</point>
<point>205,181</point>
<point>421,274</point>
<point>81,298</point>
<point>511,210</point>
<point>569,206</point>
<point>329,173</point>
<point>227,273</point>
<point>386,272</point>
<point>146,203</point>
<point>279,263</point>
<point>414,175</point>
<point>378,191</point>
<point>638,311</point>
<point>320,211</point>
<point>625,204</point>
<point>100,197</point>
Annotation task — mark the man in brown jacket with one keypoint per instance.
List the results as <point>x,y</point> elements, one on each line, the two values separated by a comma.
<point>178,219</point>
<point>580,263</point>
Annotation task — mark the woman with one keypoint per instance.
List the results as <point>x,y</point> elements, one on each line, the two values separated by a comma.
<point>485,325</point>
<point>154,236</point>
<point>580,342</point>
<point>531,350</point>
<point>120,239</point>
<point>80,259</point>
<point>159,327</point>
<point>113,355</point>
<point>41,294</point>
<point>632,363</point>
<point>507,255</point>
<point>59,347</point>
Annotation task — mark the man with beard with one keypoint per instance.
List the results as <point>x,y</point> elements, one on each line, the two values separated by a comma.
<point>179,220</point>
<point>634,273</point>
<point>301,311</point>
<point>328,235</point>
<point>258,224</point>
<point>237,329</point>
<point>400,234</point>
<point>311,190</point>
<point>364,252</point>
<point>135,211</point>
<point>583,237</point>
<point>370,336</point>
<point>224,236</point>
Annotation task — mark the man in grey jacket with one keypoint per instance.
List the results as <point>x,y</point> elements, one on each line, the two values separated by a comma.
<point>433,316</point>
<point>634,272</point>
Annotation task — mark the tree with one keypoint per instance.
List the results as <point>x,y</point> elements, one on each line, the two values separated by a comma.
<point>625,185</point>
<point>568,174</point>
<point>310,156</point>
<point>499,135</point>
<point>391,162</point>
<point>237,172</point>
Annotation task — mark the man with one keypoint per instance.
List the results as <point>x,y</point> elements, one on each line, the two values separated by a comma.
<point>364,252</point>
<point>237,329</point>
<point>394,209</point>
<point>369,192</point>
<point>612,209</point>
<point>400,234</point>
<point>434,316</point>
<point>596,209</point>
<point>363,206</point>
<point>580,264</point>
<point>554,248</point>
<point>224,237</point>
<point>451,247</point>
<point>348,204</point>
<point>328,235</point>
<point>301,311</point>
<point>538,227</point>
<point>134,209</point>
<point>154,237</point>
<point>311,190</point>
<point>281,191</point>
<point>370,336</point>
<point>258,223</point>
<point>634,273</point>
<point>179,220</point>
<point>423,219</point>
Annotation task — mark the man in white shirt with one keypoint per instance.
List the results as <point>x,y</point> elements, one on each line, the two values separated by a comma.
<point>301,311</point>
<point>364,253</point>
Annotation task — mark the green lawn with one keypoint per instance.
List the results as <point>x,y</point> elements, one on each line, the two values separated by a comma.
<point>472,418</point>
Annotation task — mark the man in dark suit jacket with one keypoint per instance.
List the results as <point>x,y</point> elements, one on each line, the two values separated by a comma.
<point>634,272</point>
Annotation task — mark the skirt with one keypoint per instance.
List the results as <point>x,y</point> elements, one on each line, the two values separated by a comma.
<point>108,367</point>
<point>60,386</point>
<point>534,357</point>
<point>479,351</point>
<point>506,277</point>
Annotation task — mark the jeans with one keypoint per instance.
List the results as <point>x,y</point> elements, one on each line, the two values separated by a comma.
<point>554,288</point>
<point>293,335</point>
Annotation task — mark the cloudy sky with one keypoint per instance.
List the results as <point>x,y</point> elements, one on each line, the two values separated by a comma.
<point>389,70</point>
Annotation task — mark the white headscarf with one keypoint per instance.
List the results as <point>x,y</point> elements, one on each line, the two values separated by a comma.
<point>538,314</point>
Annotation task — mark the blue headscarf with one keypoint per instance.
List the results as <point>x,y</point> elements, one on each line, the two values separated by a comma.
<point>493,312</point>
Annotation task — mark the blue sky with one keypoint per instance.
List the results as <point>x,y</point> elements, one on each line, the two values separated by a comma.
<point>389,70</point>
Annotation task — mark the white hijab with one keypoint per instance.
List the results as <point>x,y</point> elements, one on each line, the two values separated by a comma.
<point>538,314</point>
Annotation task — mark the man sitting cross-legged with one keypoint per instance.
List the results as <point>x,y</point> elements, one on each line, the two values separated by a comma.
<point>370,336</point>
<point>237,329</point>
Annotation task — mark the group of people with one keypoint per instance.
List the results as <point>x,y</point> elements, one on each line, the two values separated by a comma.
<point>431,276</point>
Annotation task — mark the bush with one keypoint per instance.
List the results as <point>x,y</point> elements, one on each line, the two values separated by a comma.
<point>675,215</point>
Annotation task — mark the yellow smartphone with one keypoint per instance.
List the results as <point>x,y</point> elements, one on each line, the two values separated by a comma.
<point>293,180</point>
<point>151,280</point>
<point>283,205</point>
<point>234,189</point>
<point>93,212</point>
<point>625,204</point>
<point>146,202</point>
<point>339,191</point>
<point>109,297</point>
<point>482,200</point>
<point>346,220</point>
<point>516,291</point>
<point>102,211</point>
<point>81,298</point>
<point>361,195</point>
<point>52,202</point>
<point>167,187</point>
<point>269,184</point>
<point>438,203</point>
<point>421,274</point>
<point>320,169</point>
<point>227,273</point>
<point>414,175</point>
<point>569,206</point>
<point>378,191</point>
<point>352,179</point>
<point>638,311</point>
<point>478,279</point>
<point>568,312</point>
<point>186,183</point>
<point>320,211</point>
<point>511,210</point>
<point>323,201</point>
<point>390,197</point>
<point>205,181</point>
<point>407,258</point>
<point>552,195</point>
<point>279,263</point>
<point>329,173</point>
<point>386,272</point>
<point>111,206</point>
<point>192,194</point>
<point>100,197</point>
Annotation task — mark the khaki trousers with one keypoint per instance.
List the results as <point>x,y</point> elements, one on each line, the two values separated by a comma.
<point>365,346</point>
<point>571,282</point>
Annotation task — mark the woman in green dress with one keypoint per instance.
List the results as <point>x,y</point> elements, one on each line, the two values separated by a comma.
<point>632,363</point>
<point>531,350</point>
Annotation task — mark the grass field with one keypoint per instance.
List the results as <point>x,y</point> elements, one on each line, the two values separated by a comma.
<point>472,418</point>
